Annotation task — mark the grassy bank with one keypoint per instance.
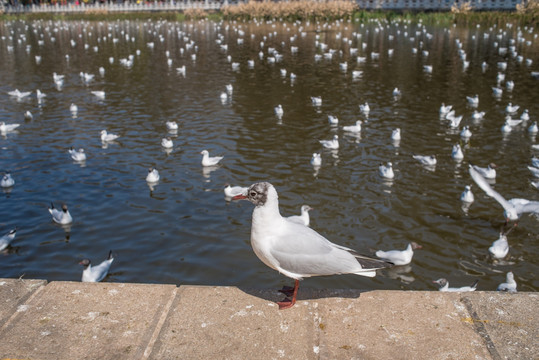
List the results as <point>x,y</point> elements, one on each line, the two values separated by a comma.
<point>309,10</point>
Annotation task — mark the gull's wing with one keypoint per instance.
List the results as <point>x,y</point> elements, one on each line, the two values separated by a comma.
<point>301,250</point>
<point>529,207</point>
<point>483,184</point>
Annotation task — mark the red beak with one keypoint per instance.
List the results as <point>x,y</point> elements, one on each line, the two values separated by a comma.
<point>239,197</point>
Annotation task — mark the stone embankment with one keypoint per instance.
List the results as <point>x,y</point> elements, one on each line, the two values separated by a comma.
<point>71,320</point>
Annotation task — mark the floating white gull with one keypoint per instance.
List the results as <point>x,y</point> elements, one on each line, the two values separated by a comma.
<point>473,100</point>
<point>365,108</point>
<point>466,133</point>
<point>19,94</point>
<point>456,152</point>
<point>5,128</point>
<point>77,155</point>
<point>7,239</point>
<point>500,248</point>
<point>302,219</point>
<point>208,160</point>
<point>167,143</point>
<point>231,191</point>
<point>61,217</point>
<point>510,285</point>
<point>295,250</point>
<point>467,195</point>
<point>353,128</point>
<point>331,144</point>
<point>513,208</point>
<point>399,257</point>
<point>98,272</point>
<point>153,175</point>
<point>429,160</point>
<point>7,181</point>
<point>333,120</point>
<point>396,134</point>
<point>73,108</point>
<point>106,137</point>
<point>279,112</point>
<point>386,171</point>
<point>533,129</point>
<point>171,125</point>
<point>444,286</point>
<point>99,94</point>
<point>316,160</point>
<point>511,109</point>
<point>488,173</point>
<point>316,100</point>
<point>525,116</point>
<point>445,109</point>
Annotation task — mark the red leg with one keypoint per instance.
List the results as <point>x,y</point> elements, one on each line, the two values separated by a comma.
<point>285,304</point>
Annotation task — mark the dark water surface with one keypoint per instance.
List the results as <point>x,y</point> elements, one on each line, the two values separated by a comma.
<point>183,231</point>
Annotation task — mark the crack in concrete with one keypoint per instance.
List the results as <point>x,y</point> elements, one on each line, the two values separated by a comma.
<point>480,328</point>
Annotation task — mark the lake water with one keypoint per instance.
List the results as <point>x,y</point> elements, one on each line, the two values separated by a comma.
<point>183,231</point>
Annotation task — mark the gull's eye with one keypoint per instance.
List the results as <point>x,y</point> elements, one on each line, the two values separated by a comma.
<point>253,193</point>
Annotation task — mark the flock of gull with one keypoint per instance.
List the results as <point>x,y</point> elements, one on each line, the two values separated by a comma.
<point>280,250</point>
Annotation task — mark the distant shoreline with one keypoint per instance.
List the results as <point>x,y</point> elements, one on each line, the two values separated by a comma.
<point>483,17</point>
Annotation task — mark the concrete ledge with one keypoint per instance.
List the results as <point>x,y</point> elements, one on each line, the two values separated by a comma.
<point>71,320</point>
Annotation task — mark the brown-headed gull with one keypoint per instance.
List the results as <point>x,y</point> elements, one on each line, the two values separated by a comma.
<point>444,286</point>
<point>61,217</point>
<point>208,160</point>
<point>510,285</point>
<point>98,272</point>
<point>513,208</point>
<point>7,239</point>
<point>304,218</point>
<point>399,257</point>
<point>295,250</point>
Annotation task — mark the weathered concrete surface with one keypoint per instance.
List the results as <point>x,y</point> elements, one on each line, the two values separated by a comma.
<point>68,320</point>
<point>13,292</point>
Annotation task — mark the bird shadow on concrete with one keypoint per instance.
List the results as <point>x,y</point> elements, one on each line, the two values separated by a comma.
<point>274,295</point>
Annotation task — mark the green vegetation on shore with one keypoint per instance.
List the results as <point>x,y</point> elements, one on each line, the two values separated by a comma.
<point>525,14</point>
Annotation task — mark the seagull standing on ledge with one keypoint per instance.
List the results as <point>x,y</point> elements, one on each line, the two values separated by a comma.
<point>295,250</point>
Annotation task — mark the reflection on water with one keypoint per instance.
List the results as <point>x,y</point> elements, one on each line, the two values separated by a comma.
<point>137,76</point>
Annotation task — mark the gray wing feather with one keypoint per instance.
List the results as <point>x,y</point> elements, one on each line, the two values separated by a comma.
<point>309,253</point>
<point>483,184</point>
